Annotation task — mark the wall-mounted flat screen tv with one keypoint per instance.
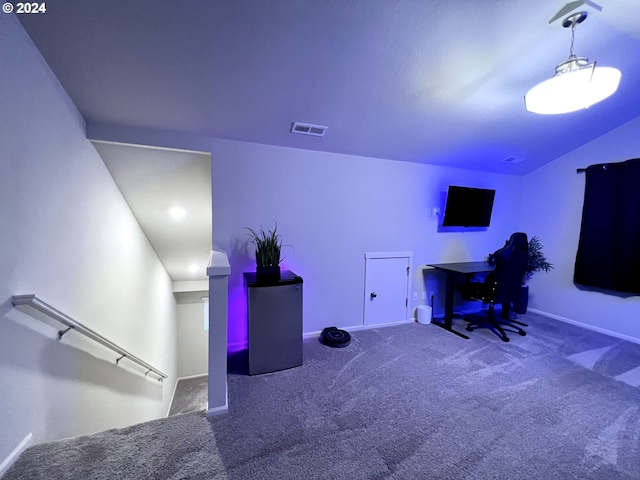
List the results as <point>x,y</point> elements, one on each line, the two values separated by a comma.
<point>468,207</point>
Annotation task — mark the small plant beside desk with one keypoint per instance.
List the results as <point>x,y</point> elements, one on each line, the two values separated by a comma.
<point>537,263</point>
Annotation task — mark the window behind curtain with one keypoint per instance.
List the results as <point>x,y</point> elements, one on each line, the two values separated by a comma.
<point>609,247</point>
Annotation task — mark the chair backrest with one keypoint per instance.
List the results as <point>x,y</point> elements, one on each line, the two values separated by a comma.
<point>511,266</point>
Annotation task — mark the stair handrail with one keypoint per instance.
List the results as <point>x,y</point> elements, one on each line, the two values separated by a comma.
<point>34,302</point>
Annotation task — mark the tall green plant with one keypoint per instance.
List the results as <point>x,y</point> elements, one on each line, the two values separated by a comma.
<point>537,260</point>
<point>268,245</point>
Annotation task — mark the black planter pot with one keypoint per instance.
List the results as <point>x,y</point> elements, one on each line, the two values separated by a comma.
<point>268,275</point>
<point>520,305</point>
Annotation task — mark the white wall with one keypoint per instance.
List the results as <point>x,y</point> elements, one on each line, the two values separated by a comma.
<point>332,209</point>
<point>193,340</point>
<point>69,237</point>
<point>552,208</point>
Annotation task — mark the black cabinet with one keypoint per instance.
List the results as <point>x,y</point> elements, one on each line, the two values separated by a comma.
<point>274,315</point>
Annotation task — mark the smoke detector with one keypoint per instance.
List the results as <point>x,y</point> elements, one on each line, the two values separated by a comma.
<point>308,129</point>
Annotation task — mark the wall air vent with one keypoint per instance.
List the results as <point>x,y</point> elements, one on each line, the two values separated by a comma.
<point>308,129</point>
<point>512,159</point>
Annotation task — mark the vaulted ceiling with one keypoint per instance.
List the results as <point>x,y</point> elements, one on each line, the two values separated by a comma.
<point>430,81</point>
<point>437,81</point>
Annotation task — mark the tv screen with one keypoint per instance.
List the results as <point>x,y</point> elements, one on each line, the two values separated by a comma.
<point>468,207</point>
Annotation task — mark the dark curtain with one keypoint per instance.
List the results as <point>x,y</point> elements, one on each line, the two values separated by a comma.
<point>609,248</point>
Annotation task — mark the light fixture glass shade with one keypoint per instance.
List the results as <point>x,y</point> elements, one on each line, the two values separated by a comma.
<point>576,85</point>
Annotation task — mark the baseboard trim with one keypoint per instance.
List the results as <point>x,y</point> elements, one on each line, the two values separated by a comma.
<point>604,331</point>
<point>223,409</point>
<point>214,412</point>
<point>188,377</point>
<point>237,346</point>
<point>175,388</point>
<point>13,456</point>
<point>173,395</point>
<point>355,328</point>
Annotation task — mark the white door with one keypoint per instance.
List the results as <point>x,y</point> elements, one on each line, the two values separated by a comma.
<point>387,284</point>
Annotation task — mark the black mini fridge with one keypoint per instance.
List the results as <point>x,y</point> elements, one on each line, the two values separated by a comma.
<point>274,316</point>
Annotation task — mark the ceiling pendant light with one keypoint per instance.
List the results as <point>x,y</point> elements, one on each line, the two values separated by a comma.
<point>577,84</point>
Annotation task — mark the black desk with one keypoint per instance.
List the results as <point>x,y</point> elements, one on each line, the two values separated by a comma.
<point>451,269</point>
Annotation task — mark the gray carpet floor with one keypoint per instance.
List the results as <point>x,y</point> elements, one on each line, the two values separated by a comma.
<point>404,402</point>
<point>190,395</point>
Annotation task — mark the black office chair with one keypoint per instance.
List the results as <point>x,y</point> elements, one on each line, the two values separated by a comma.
<point>501,286</point>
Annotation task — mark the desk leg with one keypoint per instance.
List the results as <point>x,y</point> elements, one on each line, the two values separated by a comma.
<point>448,306</point>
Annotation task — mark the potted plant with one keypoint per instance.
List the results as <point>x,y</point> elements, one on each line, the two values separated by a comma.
<point>268,244</point>
<point>537,262</point>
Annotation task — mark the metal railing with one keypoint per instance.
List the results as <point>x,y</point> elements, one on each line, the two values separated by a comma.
<point>71,324</point>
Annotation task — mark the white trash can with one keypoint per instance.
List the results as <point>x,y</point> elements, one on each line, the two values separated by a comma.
<point>424,314</point>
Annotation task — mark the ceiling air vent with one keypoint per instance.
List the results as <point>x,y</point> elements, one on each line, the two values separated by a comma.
<point>512,159</point>
<point>308,129</point>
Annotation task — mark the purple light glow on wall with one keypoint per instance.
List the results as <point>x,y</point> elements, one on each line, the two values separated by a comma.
<point>237,328</point>
<point>237,334</point>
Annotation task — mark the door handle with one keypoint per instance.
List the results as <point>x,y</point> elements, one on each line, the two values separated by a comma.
<point>373,294</point>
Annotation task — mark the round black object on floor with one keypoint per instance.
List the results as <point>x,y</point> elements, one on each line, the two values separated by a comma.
<point>333,337</point>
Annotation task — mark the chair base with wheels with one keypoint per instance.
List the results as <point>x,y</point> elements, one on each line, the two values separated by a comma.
<point>498,325</point>
<point>501,286</point>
